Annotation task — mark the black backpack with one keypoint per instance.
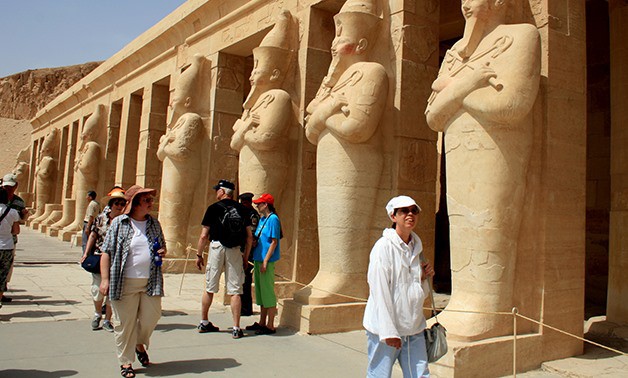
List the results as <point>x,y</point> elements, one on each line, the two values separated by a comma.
<point>232,224</point>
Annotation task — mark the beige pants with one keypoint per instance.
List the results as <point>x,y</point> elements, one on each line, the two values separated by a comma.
<point>135,314</point>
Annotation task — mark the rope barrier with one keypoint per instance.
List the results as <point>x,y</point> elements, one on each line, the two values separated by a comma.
<point>514,313</point>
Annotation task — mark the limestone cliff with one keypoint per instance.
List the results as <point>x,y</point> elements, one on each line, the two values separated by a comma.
<point>24,93</point>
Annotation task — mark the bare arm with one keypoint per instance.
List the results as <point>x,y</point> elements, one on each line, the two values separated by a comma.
<point>203,240</point>
<point>91,241</point>
<point>105,263</point>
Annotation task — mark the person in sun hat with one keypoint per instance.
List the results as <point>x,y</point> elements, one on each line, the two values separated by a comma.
<point>96,238</point>
<point>398,286</point>
<point>135,288</point>
<point>10,184</point>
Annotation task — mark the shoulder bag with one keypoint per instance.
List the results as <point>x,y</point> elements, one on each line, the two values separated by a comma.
<point>436,335</point>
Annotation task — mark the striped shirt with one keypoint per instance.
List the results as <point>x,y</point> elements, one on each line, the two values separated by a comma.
<point>118,245</point>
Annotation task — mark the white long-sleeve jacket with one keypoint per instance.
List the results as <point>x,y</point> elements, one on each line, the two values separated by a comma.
<point>396,289</point>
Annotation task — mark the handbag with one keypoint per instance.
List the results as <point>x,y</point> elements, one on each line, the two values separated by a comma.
<point>92,264</point>
<point>436,335</point>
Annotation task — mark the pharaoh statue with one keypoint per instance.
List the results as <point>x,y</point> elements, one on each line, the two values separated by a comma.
<point>180,151</point>
<point>344,123</point>
<point>22,167</point>
<point>260,135</point>
<point>86,167</point>
<point>482,102</point>
<point>45,174</point>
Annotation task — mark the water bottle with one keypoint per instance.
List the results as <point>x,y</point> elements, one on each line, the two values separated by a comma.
<point>157,247</point>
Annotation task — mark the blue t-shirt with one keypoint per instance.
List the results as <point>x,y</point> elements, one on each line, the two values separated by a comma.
<point>270,228</point>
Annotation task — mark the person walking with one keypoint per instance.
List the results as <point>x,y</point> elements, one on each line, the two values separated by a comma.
<point>9,226</point>
<point>397,279</point>
<point>226,227</point>
<point>114,207</point>
<point>10,184</point>
<point>131,275</point>
<point>93,208</point>
<point>265,254</point>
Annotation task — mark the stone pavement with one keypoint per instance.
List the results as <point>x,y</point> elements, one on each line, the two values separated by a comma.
<point>46,332</point>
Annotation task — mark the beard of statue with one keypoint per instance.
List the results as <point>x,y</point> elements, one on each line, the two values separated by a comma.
<point>473,34</point>
<point>253,96</point>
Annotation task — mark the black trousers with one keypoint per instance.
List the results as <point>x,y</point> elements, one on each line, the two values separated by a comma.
<point>246,297</point>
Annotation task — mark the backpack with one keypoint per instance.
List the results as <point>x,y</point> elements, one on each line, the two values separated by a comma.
<point>232,223</point>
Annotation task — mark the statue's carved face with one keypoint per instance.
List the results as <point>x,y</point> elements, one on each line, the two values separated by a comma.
<point>261,74</point>
<point>343,44</point>
<point>478,9</point>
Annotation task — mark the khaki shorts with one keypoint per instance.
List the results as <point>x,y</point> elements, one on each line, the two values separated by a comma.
<point>225,259</point>
<point>96,295</point>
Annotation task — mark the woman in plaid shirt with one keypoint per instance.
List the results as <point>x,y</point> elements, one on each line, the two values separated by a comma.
<point>131,278</point>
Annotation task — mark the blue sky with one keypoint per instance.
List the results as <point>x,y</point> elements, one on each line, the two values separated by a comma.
<point>53,33</point>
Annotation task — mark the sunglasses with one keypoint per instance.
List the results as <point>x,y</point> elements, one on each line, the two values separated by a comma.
<point>119,203</point>
<point>148,199</point>
<point>407,210</point>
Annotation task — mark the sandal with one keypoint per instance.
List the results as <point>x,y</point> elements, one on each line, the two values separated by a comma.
<point>127,372</point>
<point>142,357</point>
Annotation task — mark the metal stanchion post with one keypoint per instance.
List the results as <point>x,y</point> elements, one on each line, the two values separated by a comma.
<point>514,342</point>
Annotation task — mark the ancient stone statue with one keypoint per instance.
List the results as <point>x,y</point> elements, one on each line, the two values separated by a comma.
<point>261,133</point>
<point>344,121</point>
<point>180,151</point>
<point>86,167</point>
<point>482,101</point>
<point>21,171</point>
<point>45,174</point>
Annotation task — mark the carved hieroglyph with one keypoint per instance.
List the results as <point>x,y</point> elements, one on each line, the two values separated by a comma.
<point>482,101</point>
<point>45,174</point>
<point>344,124</point>
<point>86,167</point>
<point>180,151</point>
<point>260,135</point>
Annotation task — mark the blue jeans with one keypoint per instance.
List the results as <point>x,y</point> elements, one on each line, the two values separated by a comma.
<point>412,357</point>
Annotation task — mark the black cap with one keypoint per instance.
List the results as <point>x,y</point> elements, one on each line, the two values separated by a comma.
<point>245,196</point>
<point>224,184</point>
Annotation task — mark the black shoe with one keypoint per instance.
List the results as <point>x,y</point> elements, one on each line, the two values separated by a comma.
<point>253,327</point>
<point>209,327</point>
<point>265,331</point>
<point>6,299</point>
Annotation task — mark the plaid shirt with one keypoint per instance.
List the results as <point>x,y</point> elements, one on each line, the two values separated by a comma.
<point>118,245</point>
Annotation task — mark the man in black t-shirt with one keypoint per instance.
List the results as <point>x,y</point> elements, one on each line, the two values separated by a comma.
<point>221,232</point>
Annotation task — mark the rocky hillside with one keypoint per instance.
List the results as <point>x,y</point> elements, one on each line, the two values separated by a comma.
<point>24,93</point>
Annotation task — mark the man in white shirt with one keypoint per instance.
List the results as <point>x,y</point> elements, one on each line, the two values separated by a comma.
<point>398,286</point>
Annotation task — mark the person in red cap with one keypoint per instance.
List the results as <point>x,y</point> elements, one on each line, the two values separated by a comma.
<point>131,275</point>
<point>265,254</point>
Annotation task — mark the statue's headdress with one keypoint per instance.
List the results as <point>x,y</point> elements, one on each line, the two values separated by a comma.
<point>278,46</point>
<point>358,16</point>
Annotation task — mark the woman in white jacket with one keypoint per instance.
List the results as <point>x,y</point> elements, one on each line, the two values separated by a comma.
<point>398,286</point>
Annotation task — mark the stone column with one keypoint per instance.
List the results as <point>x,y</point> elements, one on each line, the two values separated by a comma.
<point>152,127</point>
<point>617,304</point>
<point>126,166</point>
<point>111,148</point>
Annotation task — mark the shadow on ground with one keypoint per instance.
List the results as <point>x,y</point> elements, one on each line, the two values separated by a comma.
<point>32,314</point>
<point>33,373</point>
<point>164,369</point>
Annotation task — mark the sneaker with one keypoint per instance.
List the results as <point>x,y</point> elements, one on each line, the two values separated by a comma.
<point>107,326</point>
<point>265,331</point>
<point>209,327</point>
<point>237,333</point>
<point>96,323</point>
<point>253,327</point>
<point>6,299</point>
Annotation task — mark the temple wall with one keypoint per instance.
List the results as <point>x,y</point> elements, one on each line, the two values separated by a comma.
<point>135,86</point>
